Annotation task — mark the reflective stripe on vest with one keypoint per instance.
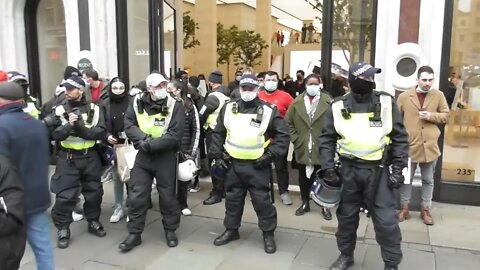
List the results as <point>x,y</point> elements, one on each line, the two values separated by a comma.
<point>154,125</point>
<point>358,137</point>
<point>212,118</point>
<point>32,110</point>
<point>245,138</point>
<point>74,142</point>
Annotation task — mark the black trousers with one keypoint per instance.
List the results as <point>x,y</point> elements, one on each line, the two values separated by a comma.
<point>304,182</point>
<point>242,177</point>
<point>182,193</point>
<point>357,185</point>
<point>281,168</point>
<point>218,188</point>
<point>161,166</point>
<point>76,173</point>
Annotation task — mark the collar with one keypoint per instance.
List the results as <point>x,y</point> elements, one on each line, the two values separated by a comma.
<point>11,107</point>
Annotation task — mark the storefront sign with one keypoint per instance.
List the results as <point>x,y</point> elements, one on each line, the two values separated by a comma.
<point>452,171</point>
<point>142,52</point>
<point>83,64</point>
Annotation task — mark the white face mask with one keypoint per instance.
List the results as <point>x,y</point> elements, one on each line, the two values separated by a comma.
<point>271,86</point>
<point>248,96</point>
<point>160,94</point>
<point>238,78</point>
<point>313,90</point>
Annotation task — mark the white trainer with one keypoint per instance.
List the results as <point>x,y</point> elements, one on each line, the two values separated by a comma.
<point>76,216</point>
<point>117,215</point>
<point>186,212</point>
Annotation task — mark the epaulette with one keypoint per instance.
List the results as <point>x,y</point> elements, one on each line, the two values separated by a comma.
<point>379,93</point>
<point>344,97</point>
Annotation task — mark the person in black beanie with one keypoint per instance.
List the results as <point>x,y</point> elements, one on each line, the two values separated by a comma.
<point>113,108</point>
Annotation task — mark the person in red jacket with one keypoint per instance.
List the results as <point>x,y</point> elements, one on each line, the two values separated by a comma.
<point>282,100</point>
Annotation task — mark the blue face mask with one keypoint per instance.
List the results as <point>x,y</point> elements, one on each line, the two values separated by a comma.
<point>313,90</point>
<point>271,86</point>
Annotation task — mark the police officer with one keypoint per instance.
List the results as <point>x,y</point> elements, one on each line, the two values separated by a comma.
<point>30,102</point>
<point>79,125</point>
<point>241,145</point>
<point>366,182</point>
<point>208,118</point>
<point>154,122</point>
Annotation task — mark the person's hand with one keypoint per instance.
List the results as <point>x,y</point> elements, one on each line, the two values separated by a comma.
<point>396,178</point>
<point>331,177</point>
<point>72,118</point>
<point>144,146</point>
<point>264,161</point>
<point>424,115</point>
<point>52,120</point>
<point>111,140</point>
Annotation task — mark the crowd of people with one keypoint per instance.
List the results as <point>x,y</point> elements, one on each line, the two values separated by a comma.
<point>234,133</point>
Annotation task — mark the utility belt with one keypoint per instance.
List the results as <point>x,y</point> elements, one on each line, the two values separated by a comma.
<point>356,160</point>
<point>242,160</point>
<point>69,153</point>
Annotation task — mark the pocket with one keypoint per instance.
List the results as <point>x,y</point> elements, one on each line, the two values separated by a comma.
<point>55,183</point>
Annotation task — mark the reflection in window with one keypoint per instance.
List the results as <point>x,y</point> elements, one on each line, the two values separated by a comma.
<point>462,132</point>
<point>52,45</point>
<point>138,40</point>
<point>169,39</point>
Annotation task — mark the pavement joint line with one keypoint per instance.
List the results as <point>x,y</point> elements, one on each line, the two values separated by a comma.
<point>110,264</point>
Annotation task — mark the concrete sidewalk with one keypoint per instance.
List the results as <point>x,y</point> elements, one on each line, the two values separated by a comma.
<point>305,242</point>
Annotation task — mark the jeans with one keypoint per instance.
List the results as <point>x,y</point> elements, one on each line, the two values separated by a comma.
<point>38,235</point>
<point>427,171</point>
<point>117,187</point>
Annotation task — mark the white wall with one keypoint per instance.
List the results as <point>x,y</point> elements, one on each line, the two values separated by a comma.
<point>13,48</point>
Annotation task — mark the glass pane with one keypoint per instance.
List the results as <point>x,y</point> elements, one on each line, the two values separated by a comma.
<point>462,132</point>
<point>169,39</point>
<point>52,45</point>
<point>138,40</point>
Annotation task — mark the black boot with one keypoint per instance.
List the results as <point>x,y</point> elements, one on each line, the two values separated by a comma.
<point>171,237</point>
<point>269,243</point>
<point>226,237</point>
<point>343,262</point>
<point>96,228</point>
<point>305,207</point>
<point>327,215</point>
<point>63,238</point>
<point>132,240</point>
<point>213,199</point>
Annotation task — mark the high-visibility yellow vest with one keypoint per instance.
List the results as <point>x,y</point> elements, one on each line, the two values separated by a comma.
<point>245,137</point>
<point>361,137</point>
<point>74,142</point>
<point>154,125</point>
<point>32,110</point>
<point>212,118</point>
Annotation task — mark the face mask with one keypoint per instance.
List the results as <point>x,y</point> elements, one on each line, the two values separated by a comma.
<point>238,78</point>
<point>299,77</point>
<point>313,90</point>
<point>160,94</point>
<point>360,86</point>
<point>271,86</point>
<point>248,96</point>
<point>261,85</point>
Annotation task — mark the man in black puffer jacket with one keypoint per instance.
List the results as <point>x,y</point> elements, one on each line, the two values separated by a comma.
<point>12,216</point>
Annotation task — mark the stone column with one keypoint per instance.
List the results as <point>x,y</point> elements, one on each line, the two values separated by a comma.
<point>263,26</point>
<point>206,54</point>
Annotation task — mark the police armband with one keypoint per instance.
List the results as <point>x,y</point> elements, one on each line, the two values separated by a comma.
<point>164,110</point>
<point>259,116</point>
<point>346,113</point>
<point>235,107</point>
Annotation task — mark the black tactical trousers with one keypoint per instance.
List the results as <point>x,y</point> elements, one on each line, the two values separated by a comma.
<point>76,172</point>
<point>358,182</point>
<point>161,166</point>
<point>218,188</point>
<point>242,177</point>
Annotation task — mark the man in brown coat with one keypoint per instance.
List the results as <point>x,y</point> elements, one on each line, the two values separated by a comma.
<point>423,108</point>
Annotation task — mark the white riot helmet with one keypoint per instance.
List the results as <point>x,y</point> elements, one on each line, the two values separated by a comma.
<point>187,170</point>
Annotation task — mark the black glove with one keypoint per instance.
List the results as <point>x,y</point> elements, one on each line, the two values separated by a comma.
<point>52,120</point>
<point>396,178</point>
<point>264,161</point>
<point>144,145</point>
<point>331,177</point>
<point>220,164</point>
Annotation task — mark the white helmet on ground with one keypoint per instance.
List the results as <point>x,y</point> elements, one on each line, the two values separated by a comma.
<point>187,170</point>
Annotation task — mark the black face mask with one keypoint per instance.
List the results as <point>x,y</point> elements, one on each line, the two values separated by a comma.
<point>299,77</point>
<point>360,86</point>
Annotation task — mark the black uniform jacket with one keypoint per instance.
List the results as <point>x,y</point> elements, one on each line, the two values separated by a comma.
<point>398,152</point>
<point>171,139</point>
<point>12,216</point>
<point>277,129</point>
<point>95,133</point>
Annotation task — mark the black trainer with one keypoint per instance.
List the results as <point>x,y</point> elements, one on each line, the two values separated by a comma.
<point>132,240</point>
<point>343,262</point>
<point>213,199</point>
<point>63,238</point>
<point>269,243</point>
<point>171,237</point>
<point>96,228</point>
<point>304,208</point>
<point>226,237</point>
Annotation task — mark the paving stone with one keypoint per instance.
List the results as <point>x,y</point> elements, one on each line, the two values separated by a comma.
<point>419,247</point>
<point>89,265</point>
<point>304,266</point>
<point>372,259</point>
<point>415,259</point>
<point>447,261</point>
